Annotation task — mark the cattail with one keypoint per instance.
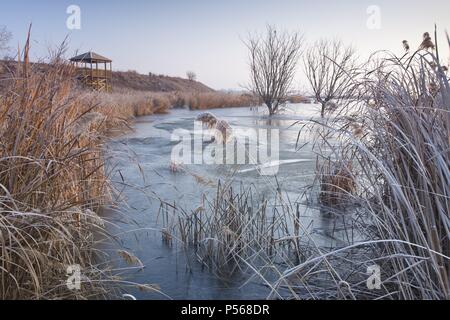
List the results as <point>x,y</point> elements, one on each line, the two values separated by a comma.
<point>202,180</point>
<point>130,258</point>
<point>357,130</point>
<point>406,45</point>
<point>224,129</point>
<point>207,118</point>
<point>166,236</point>
<point>427,43</point>
<point>148,287</point>
<point>433,88</point>
<point>175,167</point>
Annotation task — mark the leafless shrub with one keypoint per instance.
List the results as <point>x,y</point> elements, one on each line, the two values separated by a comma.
<point>273,62</point>
<point>5,37</point>
<point>191,75</point>
<point>328,66</point>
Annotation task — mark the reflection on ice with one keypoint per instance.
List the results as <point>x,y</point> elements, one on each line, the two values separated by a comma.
<point>273,164</point>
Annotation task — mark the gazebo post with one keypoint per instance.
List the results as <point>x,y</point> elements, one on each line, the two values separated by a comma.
<point>110,74</point>
<point>106,78</point>
<point>92,74</point>
<point>97,84</point>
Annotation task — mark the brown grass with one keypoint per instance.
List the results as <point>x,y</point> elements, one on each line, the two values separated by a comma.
<point>120,108</point>
<point>337,183</point>
<point>52,176</point>
<point>216,100</point>
<point>52,183</point>
<point>297,98</point>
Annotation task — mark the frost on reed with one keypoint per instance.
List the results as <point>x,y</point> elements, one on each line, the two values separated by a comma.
<point>383,169</point>
<point>392,142</point>
<point>52,182</point>
<point>238,232</point>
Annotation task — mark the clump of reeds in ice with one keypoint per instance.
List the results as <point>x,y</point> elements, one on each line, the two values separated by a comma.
<point>222,129</point>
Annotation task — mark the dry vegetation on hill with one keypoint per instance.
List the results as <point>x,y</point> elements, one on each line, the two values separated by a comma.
<point>133,81</point>
<point>123,81</point>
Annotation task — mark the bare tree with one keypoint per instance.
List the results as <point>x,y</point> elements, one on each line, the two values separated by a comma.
<point>5,37</point>
<point>328,64</point>
<point>191,75</point>
<point>273,62</point>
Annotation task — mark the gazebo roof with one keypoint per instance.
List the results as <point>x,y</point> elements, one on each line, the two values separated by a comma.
<point>90,57</point>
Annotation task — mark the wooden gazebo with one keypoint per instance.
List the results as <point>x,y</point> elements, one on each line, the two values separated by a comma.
<point>94,71</point>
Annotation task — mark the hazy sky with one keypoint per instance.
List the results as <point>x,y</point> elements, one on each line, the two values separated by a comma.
<point>171,37</point>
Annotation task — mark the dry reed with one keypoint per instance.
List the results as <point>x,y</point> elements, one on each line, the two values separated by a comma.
<point>396,155</point>
<point>52,184</point>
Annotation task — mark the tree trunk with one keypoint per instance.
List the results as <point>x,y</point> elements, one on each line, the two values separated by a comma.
<point>271,111</point>
<point>322,112</point>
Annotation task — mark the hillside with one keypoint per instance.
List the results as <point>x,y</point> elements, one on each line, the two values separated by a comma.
<point>123,81</point>
<point>130,80</point>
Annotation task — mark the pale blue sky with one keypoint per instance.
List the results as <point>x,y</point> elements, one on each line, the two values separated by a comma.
<point>173,36</point>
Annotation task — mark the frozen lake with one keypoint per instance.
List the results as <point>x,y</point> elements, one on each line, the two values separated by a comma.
<point>141,166</point>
